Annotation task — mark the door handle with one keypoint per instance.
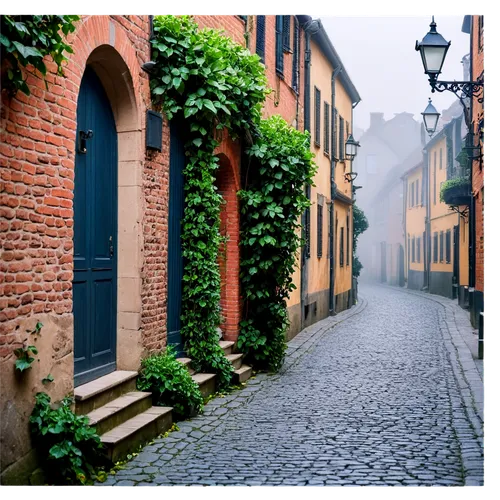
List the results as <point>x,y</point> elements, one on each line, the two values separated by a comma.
<point>83,137</point>
<point>111,248</point>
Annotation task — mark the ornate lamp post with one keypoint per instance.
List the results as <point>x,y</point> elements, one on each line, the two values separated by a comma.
<point>351,150</point>
<point>431,117</point>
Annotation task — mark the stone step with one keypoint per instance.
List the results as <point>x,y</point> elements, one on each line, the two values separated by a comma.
<point>136,431</point>
<point>235,359</point>
<point>242,374</point>
<point>206,383</point>
<point>93,395</point>
<point>119,410</point>
<point>187,363</point>
<point>227,346</point>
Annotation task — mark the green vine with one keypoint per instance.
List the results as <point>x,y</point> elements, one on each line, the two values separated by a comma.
<point>212,83</point>
<point>453,183</point>
<point>281,164</point>
<point>24,357</point>
<point>26,40</point>
<point>360,225</point>
<point>68,447</point>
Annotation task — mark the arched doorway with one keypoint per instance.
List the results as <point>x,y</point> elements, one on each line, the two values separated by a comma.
<point>95,233</point>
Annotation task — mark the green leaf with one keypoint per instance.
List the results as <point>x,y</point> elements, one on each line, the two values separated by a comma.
<point>209,105</point>
<point>197,142</point>
<point>47,379</point>
<point>23,364</point>
<point>159,90</point>
<point>4,41</point>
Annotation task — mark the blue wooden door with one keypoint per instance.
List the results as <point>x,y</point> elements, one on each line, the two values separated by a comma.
<point>175,213</point>
<point>95,233</point>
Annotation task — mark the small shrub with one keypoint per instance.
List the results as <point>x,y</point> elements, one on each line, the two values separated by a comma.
<point>170,383</point>
<point>69,448</point>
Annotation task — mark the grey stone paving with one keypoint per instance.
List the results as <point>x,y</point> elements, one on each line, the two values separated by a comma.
<point>372,396</point>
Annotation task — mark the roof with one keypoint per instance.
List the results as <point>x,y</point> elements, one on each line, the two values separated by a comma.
<point>321,38</point>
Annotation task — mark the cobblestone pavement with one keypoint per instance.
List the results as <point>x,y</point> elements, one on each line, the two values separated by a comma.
<point>368,397</point>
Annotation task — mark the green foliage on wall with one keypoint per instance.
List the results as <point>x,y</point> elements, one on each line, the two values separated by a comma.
<point>26,40</point>
<point>360,225</point>
<point>281,165</point>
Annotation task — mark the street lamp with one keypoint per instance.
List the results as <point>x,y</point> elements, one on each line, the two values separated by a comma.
<point>431,117</point>
<point>351,148</point>
<point>433,49</point>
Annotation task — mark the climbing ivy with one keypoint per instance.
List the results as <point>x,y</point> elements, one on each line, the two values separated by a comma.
<point>360,225</point>
<point>26,40</point>
<point>208,82</point>
<point>272,201</point>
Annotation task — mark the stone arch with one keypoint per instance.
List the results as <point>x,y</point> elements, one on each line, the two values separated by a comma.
<point>103,44</point>
<point>229,258</point>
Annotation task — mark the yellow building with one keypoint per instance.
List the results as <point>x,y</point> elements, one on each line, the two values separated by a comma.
<point>325,280</point>
<point>415,203</point>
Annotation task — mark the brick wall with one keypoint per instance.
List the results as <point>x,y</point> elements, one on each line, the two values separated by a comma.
<point>478,165</point>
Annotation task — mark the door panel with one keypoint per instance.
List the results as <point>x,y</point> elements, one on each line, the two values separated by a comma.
<point>175,213</point>
<point>95,215</point>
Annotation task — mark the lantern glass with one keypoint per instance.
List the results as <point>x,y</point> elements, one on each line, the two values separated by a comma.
<point>431,117</point>
<point>433,49</point>
<point>351,147</point>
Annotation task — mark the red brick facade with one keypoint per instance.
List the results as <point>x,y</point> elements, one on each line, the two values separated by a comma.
<point>477,58</point>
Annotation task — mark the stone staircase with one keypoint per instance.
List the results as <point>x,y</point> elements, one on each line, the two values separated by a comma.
<point>206,381</point>
<point>125,418</point>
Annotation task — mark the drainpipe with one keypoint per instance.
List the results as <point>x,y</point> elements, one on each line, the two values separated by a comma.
<point>307,126</point>
<point>333,189</point>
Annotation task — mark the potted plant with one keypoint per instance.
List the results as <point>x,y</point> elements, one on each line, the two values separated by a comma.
<point>456,191</point>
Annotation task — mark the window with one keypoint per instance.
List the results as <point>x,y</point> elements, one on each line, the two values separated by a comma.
<point>418,249</point>
<point>341,139</point>
<point>416,193</point>
<point>371,164</point>
<point>279,46</point>
<point>334,133</point>
<point>435,259</point>
<point>286,33</point>
<point>448,246</point>
<point>413,249</point>
<point>296,51</point>
<point>326,146</point>
<point>307,226</point>
<point>341,260</point>
<point>441,159</point>
<point>435,161</point>
<point>412,194</point>
<point>317,116</point>
<point>320,230</point>
<point>260,46</point>
<point>348,241</point>
<point>441,246</point>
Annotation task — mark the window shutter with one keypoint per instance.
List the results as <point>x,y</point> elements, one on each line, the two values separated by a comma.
<point>279,45</point>
<point>296,50</point>
<point>413,249</point>
<point>286,33</point>
<point>435,259</point>
<point>418,249</point>
<point>260,47</point>
<point>327,129</point>
<point>441,246</point>
<point>341,140</point>
<point>334,133</point>
<point>416,193</point>
<point>348,240</point>
<point>317,116</point>
<point>320,230</point>
<point>448,246</point>
<point>341,247</point>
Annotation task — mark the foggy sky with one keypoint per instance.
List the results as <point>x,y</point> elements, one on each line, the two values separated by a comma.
<point>380,57</point>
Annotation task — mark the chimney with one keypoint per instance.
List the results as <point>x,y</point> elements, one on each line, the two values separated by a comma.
<point>376,120</point>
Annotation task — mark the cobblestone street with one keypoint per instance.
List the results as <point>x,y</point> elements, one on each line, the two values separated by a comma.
<point>368,397</point>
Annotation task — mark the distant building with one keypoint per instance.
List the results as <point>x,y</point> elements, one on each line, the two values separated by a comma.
<point>384,145</point>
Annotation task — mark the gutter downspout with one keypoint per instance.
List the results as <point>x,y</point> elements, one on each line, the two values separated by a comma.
<point>472,208</point>
<point>308,28</point>
<point>333,190</point>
